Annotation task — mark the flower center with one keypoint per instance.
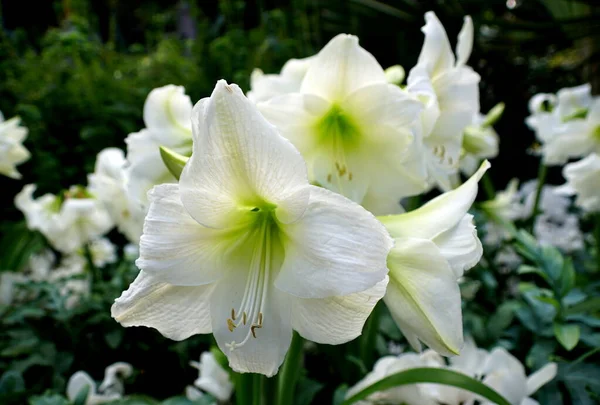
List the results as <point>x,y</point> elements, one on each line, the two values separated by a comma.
<point>339,134</point>
<point>249,314</point>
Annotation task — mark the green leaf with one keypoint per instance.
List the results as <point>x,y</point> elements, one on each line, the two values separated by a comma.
<point>429,375</point>
<point>11,382</point>
<point>567,334</point>
<point>340,394</point>
<point>173,160</point>
<point>589,305</point>
<point>82,395</point>
<point>48,399</point>
<point>307,389</point>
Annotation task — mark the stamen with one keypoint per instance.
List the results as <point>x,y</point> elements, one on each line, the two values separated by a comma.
<point>233,314</point>
<point>244,317</point>
<point>230,325</point>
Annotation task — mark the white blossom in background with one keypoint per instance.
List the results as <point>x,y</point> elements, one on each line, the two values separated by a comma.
<point>108,184</point>
<point>40,264</point>
<point>263,87</point>
<point>68,224</point>
<point>213,379</point>
<point>245,248</point>
<point>103,252</point>
<point>12,151</point>
<point>567,125</point>
<point>352,127</point>
<point>131,251</point>
<point>449,89</point>
<point>10,287</point>
<point>506,206</point>
<point>37,269</point>
<point>72,278</point>
<point>413,394</point>
<point>167,116</point>
<point>583,181</point>
<point>109,390</point>
<point>434,245</point>
<point>480,141</point>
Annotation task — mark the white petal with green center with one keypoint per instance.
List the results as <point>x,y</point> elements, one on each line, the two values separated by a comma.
<point>335,320</point>
<point>423,295</point>
<point>240,163</point>
<point>329,236</point>
<point>176,312</point>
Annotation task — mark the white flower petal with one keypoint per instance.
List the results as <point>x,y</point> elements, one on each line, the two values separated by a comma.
<point>465,42</point>
<point>340,68</point>
<point>176,312</point>
<point>238,156</point>
<point>460,245</point>
<point>438,215</point>
<point>167,113</point>
<point>541,377</point>
<point>335,320</point>
<point>175,248</point>
<point>436,54</point>
<point>78,382</point>
<point>572,100</point>
<point>423,294</point>
<point>321,258</point>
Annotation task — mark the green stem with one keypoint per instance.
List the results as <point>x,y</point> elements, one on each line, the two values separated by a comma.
<point>542,172</point>
<point>290,371</point>
<point>597,235</point>
<point>257,388</point>
<point>367,343</point>
<point>243,388</point>
<point>488,187</point>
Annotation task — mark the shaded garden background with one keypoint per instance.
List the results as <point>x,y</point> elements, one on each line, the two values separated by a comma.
<point>78,71</point>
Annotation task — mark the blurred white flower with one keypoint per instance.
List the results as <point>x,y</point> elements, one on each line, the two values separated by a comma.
<point>131,251</point>
<point>263,87</point>
<point>434,245</point>
<point>103,252</point>
<point>352,127</point>
<point>12,151</point>
<point>480,142</point>
<point>568,125</point>
<point>110,389</point>
<point>413,394</point>
<point>449,90</point>
<point>213,378</point>
<point>583,180</point>
<point>108,183</point>
<point>9,286</point>
<point>40,264</point>
<point>167,115</point>
<point>72,278</point>
<point>245,248</point>
<point>506,206</point>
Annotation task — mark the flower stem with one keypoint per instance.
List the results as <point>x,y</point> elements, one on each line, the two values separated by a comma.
<point>597,236</point>
<point>290,371</point>
<point>542,172</point>
<point>367,343</point>
<point>488,187</point>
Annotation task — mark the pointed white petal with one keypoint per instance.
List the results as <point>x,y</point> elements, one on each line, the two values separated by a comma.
<point>238,158</point>
<point>541,377</point>
<point>340,68</point>
<point>176,312</point>
<point>78,382</point>
<point>167,113</point>
<point>436,54</point>
<point>460,245</point>
<point>174,247</point>
<point>572,100</point>
<point>335,320</point>
<point>424,296</point>
<point>438,215</point>
<point>336,248</point>
<point>465,42</point>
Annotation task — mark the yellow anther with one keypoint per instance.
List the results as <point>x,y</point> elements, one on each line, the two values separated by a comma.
<point>244,317</point>
<point>230,325</point>
<point>233,314</point>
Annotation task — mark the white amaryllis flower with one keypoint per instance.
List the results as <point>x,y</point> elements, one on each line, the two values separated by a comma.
<point>414,394</point>
<point>12,151</point>
<point>108,184</point>
<point>583,180</point>
<point>434,245</point>
<point>449,90</point>
<point>480,141</point>
<point>167,113</point>
<point>213,378</point>
<point>110,389</point>
<point>263,87</point>
<point>352,127</point>
<point>245,248</point>
<point>567,125</point>
<point>69,224</point>
<point>103,252</point>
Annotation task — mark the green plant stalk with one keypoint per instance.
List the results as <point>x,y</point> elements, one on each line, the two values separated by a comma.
<point>542,172</point>
<point>243,388</point>
<point>290,371</point>
<point>597,237</point>
<point>488,186</point>
<point>367,341</point>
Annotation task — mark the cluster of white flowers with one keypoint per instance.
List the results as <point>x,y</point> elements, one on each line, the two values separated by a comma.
<point>568,126</point>
<point>111,388</point>
<point>212,379</point>
<point>497,369</point>
<point>263,233</point>
<point>12,151</point>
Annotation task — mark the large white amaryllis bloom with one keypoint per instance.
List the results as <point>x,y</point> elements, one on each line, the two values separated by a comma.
<point>266,86</point>
<point>449,89</point>
<point>434,245</point>
<point>108,184</point>
<point>12,151</point>
<point>583,180</point>
<point>245,248</point>
<point>167,113</point>
<point>567,125</point>
<point>352,127</point>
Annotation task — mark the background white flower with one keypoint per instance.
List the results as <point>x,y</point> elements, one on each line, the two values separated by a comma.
<point>12,151</point>
<point>583,180</point>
